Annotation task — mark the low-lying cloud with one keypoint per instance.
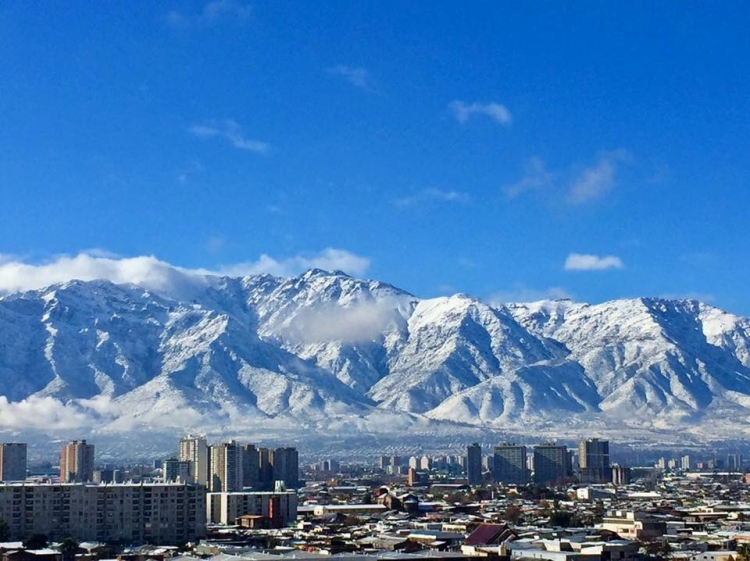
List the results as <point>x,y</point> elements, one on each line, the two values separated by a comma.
<point>151,273</point>
<point>360,322</point>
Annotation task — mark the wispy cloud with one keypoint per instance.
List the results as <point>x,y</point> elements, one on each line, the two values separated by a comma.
<point>329,259</point>
<point>149,272</point>
<point>595,181</point>
<point>462,111</point>
<point>587,262</point>
<point>439,195</point>
<point>230,131</point>
<point>357,76</point>
<point>214,13</point>
<point>574,185</point>
<point>521,293</point>
<point>536,177</point>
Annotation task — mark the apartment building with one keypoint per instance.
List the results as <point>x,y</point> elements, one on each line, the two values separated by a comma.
<point>509,464</point>
<point>12,461</point>
<point>278,508</point>
<point>132,513</point>
<point>77,462</point>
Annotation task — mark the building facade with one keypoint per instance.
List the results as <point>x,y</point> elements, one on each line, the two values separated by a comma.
<point>474,464</point>
<point>77,462</point>
<point>12,461</point>
<point>285,465</point>
<point>250,466</point>
<point>509,464</point>
<point>194,449</point>
<point>226,508</point>
<point>551,464</point>
<point>176,471</point>
<point>131,513</point>
<point>226,467</point>
<point>593,461</point>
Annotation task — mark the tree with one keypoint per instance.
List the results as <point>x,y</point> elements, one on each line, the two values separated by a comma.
<point>4,531</point>
<point>743,552</point>
<point>513,514</point>
<point>35,541</point>
<point>68,549</point>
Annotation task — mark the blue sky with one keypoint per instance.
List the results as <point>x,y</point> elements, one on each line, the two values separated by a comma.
<point>507,150</point>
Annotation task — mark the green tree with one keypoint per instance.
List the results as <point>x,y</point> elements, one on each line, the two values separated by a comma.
<point>35,541</point>
<point>68,549</point>
<point>4,531</point>
<point>743,552</point>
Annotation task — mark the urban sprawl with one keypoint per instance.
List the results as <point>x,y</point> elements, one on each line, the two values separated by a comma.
<point>230,501</point>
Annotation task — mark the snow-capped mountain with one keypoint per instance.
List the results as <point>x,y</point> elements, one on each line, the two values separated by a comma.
<point>327,350</point>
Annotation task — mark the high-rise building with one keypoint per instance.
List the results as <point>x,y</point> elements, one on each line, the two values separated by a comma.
<point>734,462</point>
<point>250,466</point>
<point>194,449</point>
<point>593,461</point>
<point>509,464</point>
<point>176,471</point>
<point>620,474</point>
<point>12,461</point>
<point>226,467</point>
<point>265,469</point>
<point>551,464</point>
<point>77,462</point>
<point>474,464</point>
<point>285,462</point>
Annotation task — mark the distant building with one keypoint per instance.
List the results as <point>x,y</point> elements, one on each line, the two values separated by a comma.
<point>551,464</point>
<point>509,464</point>
<point>194,449</point>
<point>250,466</point>
<point>175,471</point>
<point>131,513</point>
<point>226,467</point>
<point>593,461</point>
<point>12,461</point>
<point>474,464</point>
<point>285,463</point>
<point>621,475</point>
<point>279,509</point>
<point>77,462</point>
<point>265,469</point>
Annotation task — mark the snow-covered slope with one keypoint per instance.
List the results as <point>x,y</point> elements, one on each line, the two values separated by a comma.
<point>328,350</point>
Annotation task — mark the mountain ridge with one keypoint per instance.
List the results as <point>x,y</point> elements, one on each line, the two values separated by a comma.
<point>324,350</point>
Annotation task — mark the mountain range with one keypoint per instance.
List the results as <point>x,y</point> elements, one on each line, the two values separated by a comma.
<point>325,351</point>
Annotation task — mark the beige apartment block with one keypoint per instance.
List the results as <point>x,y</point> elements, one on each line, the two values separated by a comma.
<point>134,513</point>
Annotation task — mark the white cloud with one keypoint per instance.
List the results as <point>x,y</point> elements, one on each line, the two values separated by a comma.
<point>355,323</point>
<point>462,111</point>
<point>586,262</point>
<point>160,276</point>
<point>535,177</point>
<point>329,259</point>
<point>595,181</point>
<point>230,131</point>
<point>212,14</point>
<point>43,413</point>
<point>356,76</point>
<point>439,195</point>
<point>574,185</point>
<point>522,293</point>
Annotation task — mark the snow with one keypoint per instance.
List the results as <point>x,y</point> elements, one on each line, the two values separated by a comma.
<point>329,351</point>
